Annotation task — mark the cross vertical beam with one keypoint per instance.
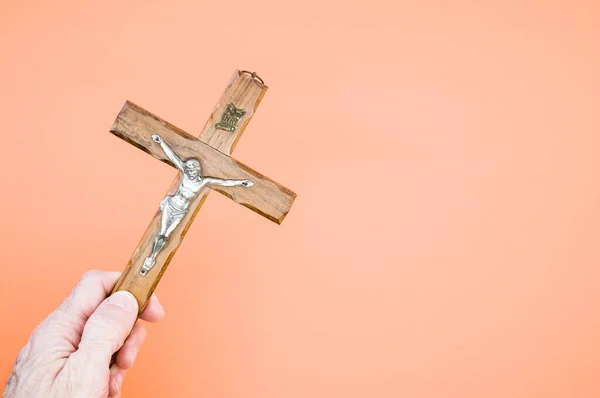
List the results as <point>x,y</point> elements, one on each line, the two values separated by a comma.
<point>245,91</point>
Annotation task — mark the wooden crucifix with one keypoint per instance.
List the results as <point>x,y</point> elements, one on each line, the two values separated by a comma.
<point>203,163</point>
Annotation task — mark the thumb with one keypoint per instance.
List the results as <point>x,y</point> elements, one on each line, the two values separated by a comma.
<point>107,328</point>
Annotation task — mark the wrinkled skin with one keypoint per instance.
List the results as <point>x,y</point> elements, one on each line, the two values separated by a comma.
<point>69,353</point>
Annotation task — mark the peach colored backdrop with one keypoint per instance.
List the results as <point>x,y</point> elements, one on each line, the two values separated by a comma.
<point>444,242</point>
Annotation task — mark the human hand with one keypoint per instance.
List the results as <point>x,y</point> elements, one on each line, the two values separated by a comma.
<point>69,353</point>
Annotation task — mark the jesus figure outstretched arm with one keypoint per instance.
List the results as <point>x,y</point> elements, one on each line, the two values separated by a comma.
<point>169,152</point>
<point>228,183</point>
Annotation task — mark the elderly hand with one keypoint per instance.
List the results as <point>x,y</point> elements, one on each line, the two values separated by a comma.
<point>69,353</point>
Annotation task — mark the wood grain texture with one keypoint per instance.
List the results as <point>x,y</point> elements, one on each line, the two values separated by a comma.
<point>266,197</point>
<point>243,91</point>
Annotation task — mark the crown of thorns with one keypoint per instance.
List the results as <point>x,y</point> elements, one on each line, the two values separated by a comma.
<point>192,164</point>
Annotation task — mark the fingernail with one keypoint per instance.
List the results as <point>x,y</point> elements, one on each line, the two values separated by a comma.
<point>124,300</point>
<point>118,382</point>
<point>161,309</point>
<point>133,355</point>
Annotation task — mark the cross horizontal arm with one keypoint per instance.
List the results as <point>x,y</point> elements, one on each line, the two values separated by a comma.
<point>268,198</point>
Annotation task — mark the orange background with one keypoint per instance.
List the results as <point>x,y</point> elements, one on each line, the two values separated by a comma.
<point>444,242</point>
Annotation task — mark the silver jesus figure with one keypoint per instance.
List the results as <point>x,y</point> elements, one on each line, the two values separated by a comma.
<point>175,207</point>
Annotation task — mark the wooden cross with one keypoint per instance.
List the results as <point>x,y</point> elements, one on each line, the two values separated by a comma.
<point>212,149</point>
